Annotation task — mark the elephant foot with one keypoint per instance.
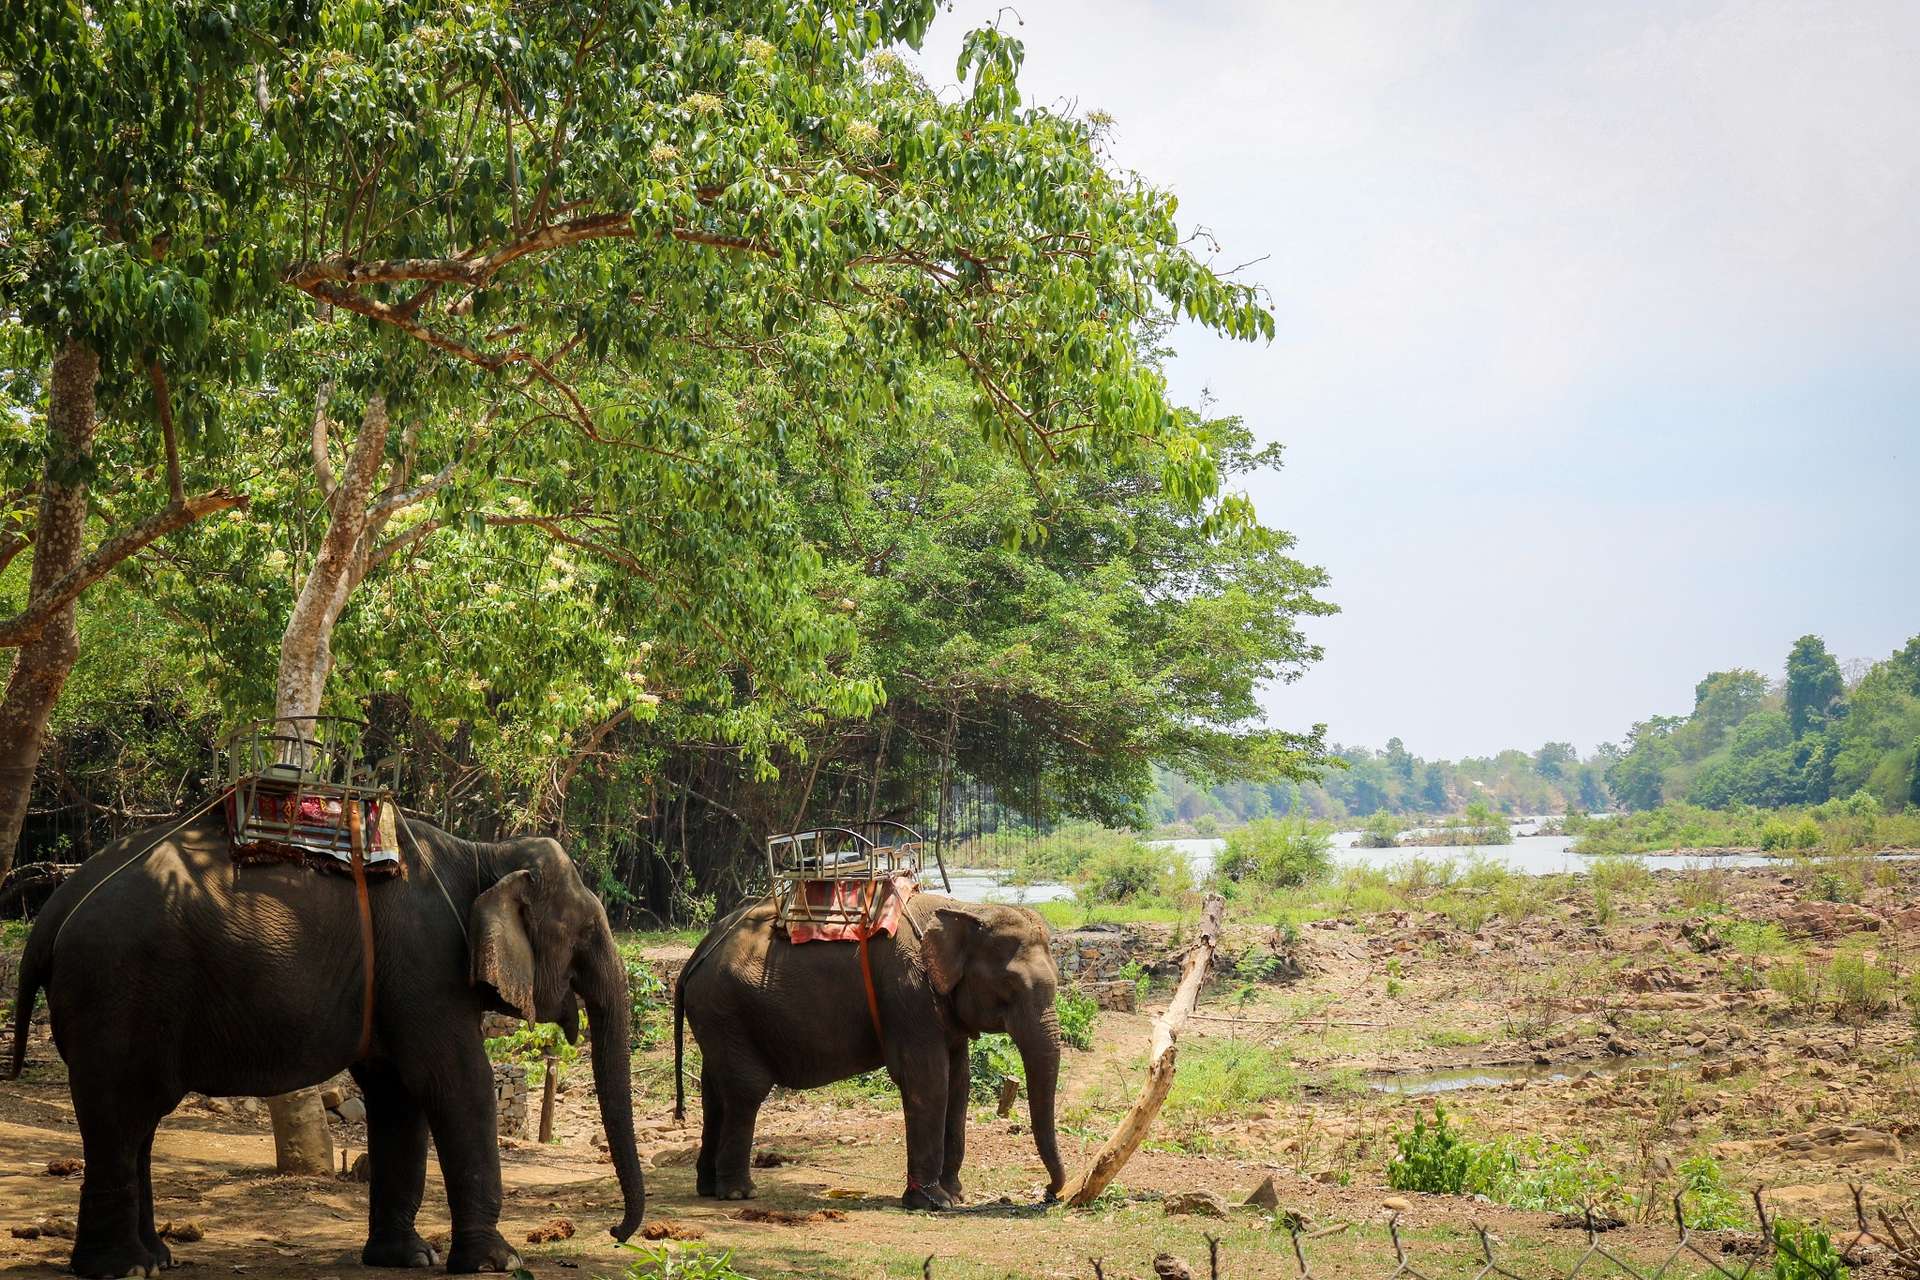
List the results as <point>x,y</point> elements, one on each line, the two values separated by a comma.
<point>162,1256</point>
<point>951,1185</point>
<point>111,1262</point>
<point>481,1251</point>
<point>705,1184</point>
<point>400,1249</point>
<point>932,1198</point>
<point>734,1188</point>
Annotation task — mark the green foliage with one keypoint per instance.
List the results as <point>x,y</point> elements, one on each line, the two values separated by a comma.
<point>1277,853</point>
<point>1707,1201</point>
<point>1435,1157</point>
<point>531,1044</point>
<point>1382,831</point>
<point>1798,982</point>
<point>675,1261</point>
<point>1862,986</point>
<point>1136,973</point>
<point>1132,871</point>
<point>991,1058</point>
<point>1431,1157</point>
<point>1077,1011</point>
<point>1804,1252</point>
<point>652,1005</point>
<point>1221,1077</point>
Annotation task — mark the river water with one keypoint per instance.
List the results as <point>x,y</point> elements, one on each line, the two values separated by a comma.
<point>1529,854</point>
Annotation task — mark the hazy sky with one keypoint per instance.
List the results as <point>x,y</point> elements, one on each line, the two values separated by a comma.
<point>1598,363</point>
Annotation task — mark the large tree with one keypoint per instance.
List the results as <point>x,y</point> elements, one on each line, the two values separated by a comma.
<point>1814,684</point>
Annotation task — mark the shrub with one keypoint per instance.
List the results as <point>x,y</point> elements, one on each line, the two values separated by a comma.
<point>1862,988</point>
<point>1707,1201</point>
<point>991,1058</point>
<point>1136,973</point>
<point>1802,1252</point>
<point>1278,853</point>
<point>1132,870</point>
<point>1432,1157</point>
<point>1077,1011</point>
<point>1799,984</point>
<point>1382,831</point>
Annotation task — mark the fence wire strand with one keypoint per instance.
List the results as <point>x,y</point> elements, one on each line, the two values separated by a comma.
<point>1599,1262</point>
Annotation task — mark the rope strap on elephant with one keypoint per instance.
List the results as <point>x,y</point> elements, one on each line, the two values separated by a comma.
<point>357,846</point>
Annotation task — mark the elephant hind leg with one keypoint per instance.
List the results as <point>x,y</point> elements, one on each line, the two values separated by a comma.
<point>741,1092</point>
<point>712,1110</point>
<point>117,1120</point>
<point>397,1160</point>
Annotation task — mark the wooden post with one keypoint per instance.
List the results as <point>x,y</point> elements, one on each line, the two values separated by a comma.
<point>546,1102</point>
<point>1113,1156</point>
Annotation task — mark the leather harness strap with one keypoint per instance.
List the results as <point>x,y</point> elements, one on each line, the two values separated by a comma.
<point>356,844</point>
<point>866,969</point>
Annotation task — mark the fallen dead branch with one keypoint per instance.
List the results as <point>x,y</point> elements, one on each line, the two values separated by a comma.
<point>1126,1139</point>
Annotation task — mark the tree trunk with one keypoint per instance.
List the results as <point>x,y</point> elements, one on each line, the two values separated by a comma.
<point>41,666</point>
<point>1108,1161</point>
<point>302,1142</point>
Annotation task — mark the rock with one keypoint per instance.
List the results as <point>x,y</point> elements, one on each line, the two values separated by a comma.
<point>1200,1204</point>
<point>65,1167</point>
<point>332,1096</point>
<point>248,1107</point>
<point>1621,1048</point>
<point>1396,1204</point>
<point>188,1232</point>
<point>1845,1145</point>
<point>676,1156</point>
<point>217,1106</point>
<point>1265,1196</point>
<point>1828,1202</point>
<point>1827,919</point>
<point>351,1111</point>
<point>557,1229</point>
<point>55,1227</point>
<point>1168,1267</point>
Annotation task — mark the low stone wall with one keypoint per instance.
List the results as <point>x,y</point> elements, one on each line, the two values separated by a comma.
<point>510,1099</point>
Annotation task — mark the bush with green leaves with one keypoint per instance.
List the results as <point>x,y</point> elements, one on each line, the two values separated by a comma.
<point>1431,1157</point>
<point>1277,853</point>
<point>1131,871</point>
<point>1804,1252</point>
<point>1077,1011</point>
<point>992,1058</point>
<point>1862,986</point>
<point>1706,1200</point>
<point>674,1261</point>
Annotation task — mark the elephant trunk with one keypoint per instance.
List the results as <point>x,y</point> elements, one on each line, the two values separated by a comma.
<point>609,1020</point>
<point>1038,1039</point>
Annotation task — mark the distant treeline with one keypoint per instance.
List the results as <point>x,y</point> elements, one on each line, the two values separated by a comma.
<point>1815,735</point>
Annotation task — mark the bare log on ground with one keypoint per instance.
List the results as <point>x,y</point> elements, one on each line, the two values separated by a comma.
<point>1126,1139</point>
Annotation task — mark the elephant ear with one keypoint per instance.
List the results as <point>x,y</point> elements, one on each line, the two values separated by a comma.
<point>502,948</point>
<point>946,945</point>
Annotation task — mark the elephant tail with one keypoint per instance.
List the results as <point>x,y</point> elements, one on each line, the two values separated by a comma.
<point>679,1047</point>
<point>34,966</point>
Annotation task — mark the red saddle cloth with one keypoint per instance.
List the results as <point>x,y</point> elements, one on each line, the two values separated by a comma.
<point>288,824</point>
<point>840,907</point>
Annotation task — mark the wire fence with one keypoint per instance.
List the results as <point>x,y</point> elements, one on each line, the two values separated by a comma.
<point>1732,1256</point>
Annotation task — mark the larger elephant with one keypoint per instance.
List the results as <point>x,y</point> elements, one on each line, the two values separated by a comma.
<point>768,1012</point>
<point>180,971</point>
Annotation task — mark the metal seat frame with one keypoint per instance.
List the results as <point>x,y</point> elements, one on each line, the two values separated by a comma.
<point>292,759</point>
<point>859,852</point>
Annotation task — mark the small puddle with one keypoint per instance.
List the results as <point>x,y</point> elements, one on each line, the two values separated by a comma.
<point>1450,1079</point>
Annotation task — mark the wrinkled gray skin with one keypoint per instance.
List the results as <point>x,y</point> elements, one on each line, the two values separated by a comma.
<point>766,1013</point>
<point>186,973</point>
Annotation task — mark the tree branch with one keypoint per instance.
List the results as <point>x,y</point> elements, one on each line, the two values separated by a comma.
<point>163,405</point>
<point>322,462</point>
<point>26,625</point>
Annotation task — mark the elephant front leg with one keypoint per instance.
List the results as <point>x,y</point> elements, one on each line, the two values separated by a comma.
<point>959,1088</point>
<point>921,1074</point>
<point>460,1112</point>
<point>397,1159</point>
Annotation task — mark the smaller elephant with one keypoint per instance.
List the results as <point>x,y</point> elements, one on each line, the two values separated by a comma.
<point>766,1012</point>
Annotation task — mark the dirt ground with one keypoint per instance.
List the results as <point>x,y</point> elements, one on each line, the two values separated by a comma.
<point>1645,1030</point>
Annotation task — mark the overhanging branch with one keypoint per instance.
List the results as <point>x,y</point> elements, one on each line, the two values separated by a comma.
<point>26,625</point>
